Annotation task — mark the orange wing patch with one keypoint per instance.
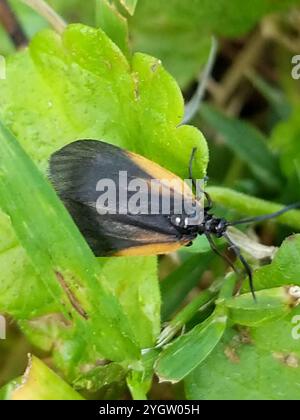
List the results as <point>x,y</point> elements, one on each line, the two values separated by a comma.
<point>150,249</point>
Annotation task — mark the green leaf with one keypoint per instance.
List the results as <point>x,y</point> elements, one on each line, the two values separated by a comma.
<point>252,206</point>
<point>270,304</point>
<point>261,363</point>
<point>164,141</point>
<point>41,383</point>
<point>82,86</point>
<point>247,143</point>
<point>184,354</point>
<point>285,268</point>
<point>138,294</point>
<point>71,277</point>
<point>22,292</point>
<point>68,270</point>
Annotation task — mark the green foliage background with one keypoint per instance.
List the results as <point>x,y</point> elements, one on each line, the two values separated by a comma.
<point>121,71</point>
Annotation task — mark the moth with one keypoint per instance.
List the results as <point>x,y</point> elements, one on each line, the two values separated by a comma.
<point>75,172</point>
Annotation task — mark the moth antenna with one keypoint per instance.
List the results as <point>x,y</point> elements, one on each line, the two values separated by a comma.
<point>266,216</point>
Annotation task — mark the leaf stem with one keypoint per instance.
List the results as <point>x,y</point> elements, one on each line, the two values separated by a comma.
<point>200,303</point>
<point>46,11</point>
<point>252,206</point>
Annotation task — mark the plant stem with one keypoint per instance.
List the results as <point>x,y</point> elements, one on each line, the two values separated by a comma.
<point>194,104</point>
<point>44,10</point>
<point>12,25</point>
<point>252,206</point>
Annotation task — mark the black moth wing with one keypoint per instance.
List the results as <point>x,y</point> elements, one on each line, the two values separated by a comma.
<point>75,171</point>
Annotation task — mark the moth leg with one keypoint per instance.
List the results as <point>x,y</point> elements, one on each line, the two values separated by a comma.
<point>220,254</point>
<point>245,264</point>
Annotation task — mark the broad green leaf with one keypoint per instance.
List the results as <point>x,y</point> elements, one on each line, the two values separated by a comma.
<point>252,206</point>
<point>138,294</point>
<point>85,88</point>
<point>185,353</point>
<point>139,297</point>
<point>247,143</point>
<point>270,304</point>
<point>68,270</point>
<point>22,292</point>
<point>285,268</point>
<point>178,32</point>
<point>46,324</point>
<point>41,383</point>
<point>70,265</point>
<point>261,363</point>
